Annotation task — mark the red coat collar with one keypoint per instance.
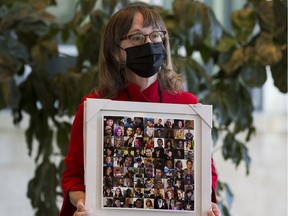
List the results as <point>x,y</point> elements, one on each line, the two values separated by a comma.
<point>133,93</point>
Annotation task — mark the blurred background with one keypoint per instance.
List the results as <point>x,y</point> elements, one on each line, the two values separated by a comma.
<point>262,192</point>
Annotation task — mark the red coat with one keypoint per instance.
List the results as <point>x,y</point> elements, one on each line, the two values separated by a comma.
<point>73,176</point>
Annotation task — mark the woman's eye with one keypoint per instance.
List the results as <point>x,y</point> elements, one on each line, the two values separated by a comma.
<point>137,37</point>
<point>155,35</point>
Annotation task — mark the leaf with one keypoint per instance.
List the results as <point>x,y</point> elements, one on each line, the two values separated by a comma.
<point>44,136</point>
<point>192,71</point>
<point>243,22</point>
<point>8,67</point>
<point>190,16</point>
<point>43,92</point>
<point>215,31</point>
<point>243,96</point>
<point>267,52</point>
<point>41,5</point>
<point>224,203</point>
<point>253,74</point>
<point>223,209</point>
<point>89,81</point>
<point>65,33</point>
<point>214,134</point>
<point>43,51</point>
<point>42,189</point>
<point>226,43</point>
<point>109,6</point>
<point>64,85</point>
<point>236,151</point>
<point>280,11</point>
<point>63,131</point>
<point>231,61</point>
<point>4,88</point>
<point>10,45</point>
<point>279,73</point>
<point>87,6</point>
<point>23,16</point>
<point>266,16</point>
<point>29,134</point>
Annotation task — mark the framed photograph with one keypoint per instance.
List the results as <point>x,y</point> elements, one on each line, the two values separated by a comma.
<point>147,158</point>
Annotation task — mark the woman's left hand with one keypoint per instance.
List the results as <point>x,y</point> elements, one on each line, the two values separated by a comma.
<point>214,210</point>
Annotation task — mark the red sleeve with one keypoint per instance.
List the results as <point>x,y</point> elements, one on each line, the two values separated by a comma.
<point>73,176</point>
<point>214,182</point>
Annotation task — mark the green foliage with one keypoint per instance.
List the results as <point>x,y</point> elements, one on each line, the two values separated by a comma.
<point>230,64</point>
<point>224,203</point>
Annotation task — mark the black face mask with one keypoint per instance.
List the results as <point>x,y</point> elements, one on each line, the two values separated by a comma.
<point>145,60</point>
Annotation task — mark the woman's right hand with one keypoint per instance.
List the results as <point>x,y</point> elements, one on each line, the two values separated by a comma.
<point>81,209</point>
<point>77,198</point>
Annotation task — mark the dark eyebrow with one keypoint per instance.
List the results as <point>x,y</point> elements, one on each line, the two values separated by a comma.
<point>136,31</point>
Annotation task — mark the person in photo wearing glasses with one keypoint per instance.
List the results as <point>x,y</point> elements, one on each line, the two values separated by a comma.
<point>134,65</point>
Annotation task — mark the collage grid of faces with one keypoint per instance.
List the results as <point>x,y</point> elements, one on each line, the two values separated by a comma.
<point>148,163</point>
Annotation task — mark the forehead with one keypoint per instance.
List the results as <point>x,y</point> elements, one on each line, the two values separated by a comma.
<point>141,25</point>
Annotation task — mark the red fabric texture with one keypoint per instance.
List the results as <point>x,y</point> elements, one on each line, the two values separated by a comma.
<point>73,176</point>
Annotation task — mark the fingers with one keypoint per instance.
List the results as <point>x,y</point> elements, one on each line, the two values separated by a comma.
<point>214,210</point>
<point>81,209</point>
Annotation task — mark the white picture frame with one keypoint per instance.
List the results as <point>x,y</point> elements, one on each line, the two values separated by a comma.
<point>95,114</point>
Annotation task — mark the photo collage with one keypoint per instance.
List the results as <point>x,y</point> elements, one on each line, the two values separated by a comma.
<point>148,163</point>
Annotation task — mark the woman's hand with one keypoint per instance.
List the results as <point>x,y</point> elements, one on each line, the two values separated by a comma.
<point>214,210</point>
<point>77,198</point>
<point>81,209</point>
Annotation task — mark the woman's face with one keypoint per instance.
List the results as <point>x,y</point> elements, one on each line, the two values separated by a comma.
<point>117,191</point>
<point>148,153</point>
<point>119,132</point>
<point>109,170</point>
<point>138,131</point>
<point>129,131</point>
<point>109,152</point>
<point>148,203</point>
<point>136,27</point>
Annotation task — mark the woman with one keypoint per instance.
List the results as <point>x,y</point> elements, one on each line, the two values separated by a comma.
<point>108,192</point>
<point>108,171</point>
<point>135,65</point>
<point>149,204</point>
<point>149,143</point>
<point>109,152</point>
<point>188,145</point>
<point>118,131</point>
<point>129,141</point>
<point>118,193</point>
<point>169,145</point>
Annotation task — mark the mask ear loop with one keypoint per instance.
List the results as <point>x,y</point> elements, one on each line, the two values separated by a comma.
<point>120,47</point>
<point>121,65</point>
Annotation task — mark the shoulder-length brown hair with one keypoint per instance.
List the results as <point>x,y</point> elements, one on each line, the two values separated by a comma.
<point>113,74</point>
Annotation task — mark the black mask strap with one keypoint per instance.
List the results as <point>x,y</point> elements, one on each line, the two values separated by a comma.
<point>120,47</point>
